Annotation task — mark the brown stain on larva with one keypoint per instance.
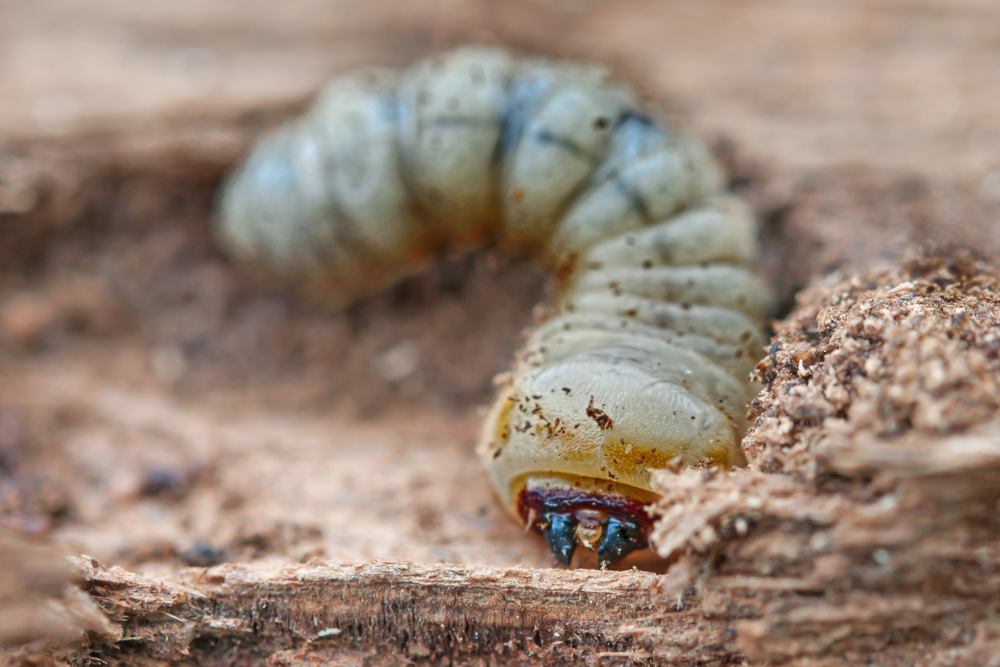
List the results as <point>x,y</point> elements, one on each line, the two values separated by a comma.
<point>630,460</point>
<point>604,422</point>
<point>571,446</point>
<point>502,427</point>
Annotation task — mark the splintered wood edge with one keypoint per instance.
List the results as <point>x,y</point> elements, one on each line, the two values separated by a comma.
<point>422,611</point>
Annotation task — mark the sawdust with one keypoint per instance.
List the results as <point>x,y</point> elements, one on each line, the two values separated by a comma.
<point>915,349</point>
<point>866,528</point>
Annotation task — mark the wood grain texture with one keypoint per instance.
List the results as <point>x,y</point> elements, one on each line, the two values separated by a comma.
<point>238,613</point>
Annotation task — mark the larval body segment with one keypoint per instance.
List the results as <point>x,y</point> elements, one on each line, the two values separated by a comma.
<point>736,360</point>
<point>649,175</point>
<point>561,121</point>
<point>721,231</point>
<point>452,111</point>
<point>626,414</point>
<point>354,122</point>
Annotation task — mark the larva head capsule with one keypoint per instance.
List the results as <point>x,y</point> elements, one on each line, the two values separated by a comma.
<point>570,511</point>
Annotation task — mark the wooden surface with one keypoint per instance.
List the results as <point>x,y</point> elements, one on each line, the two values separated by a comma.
<point>160,408</point>
<point>314,611</point>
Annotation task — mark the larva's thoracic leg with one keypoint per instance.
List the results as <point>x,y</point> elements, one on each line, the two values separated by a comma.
<point>643,361</point>
<point>621,537</point>
<point>594,517</point>
<point>559,529</point>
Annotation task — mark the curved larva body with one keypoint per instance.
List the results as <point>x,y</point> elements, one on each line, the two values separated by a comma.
<point>643,360</point>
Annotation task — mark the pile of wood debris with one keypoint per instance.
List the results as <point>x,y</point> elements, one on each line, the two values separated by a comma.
<point>867,530</point>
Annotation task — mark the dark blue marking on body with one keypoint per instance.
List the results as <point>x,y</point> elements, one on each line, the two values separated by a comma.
<point>635,199</point>
<point>524,96</point>
<point>634,136</point>
<point>567,144</point>
<point>633,116</point>
<point>463,121</point>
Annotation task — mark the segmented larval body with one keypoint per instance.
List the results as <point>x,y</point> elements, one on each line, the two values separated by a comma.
<point>643,360</point>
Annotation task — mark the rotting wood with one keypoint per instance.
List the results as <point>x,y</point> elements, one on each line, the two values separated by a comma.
<point>241,613</point>
<point>865,530</point>
<point>48,183</point>
<point>780,571</point>
<point>868,527</point>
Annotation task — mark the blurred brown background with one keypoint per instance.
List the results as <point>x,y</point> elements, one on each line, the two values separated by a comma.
<point>911,85</point>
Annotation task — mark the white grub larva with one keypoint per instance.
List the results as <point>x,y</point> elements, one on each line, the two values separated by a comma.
<point>644,359</point>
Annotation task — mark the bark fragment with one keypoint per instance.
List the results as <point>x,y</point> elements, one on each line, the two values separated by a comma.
<point>299,614</point>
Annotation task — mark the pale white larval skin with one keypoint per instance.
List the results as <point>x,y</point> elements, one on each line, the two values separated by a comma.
<point>643,359</point>
<point>324,197</point>
<point>560,123</point>
<point>451,118</point>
